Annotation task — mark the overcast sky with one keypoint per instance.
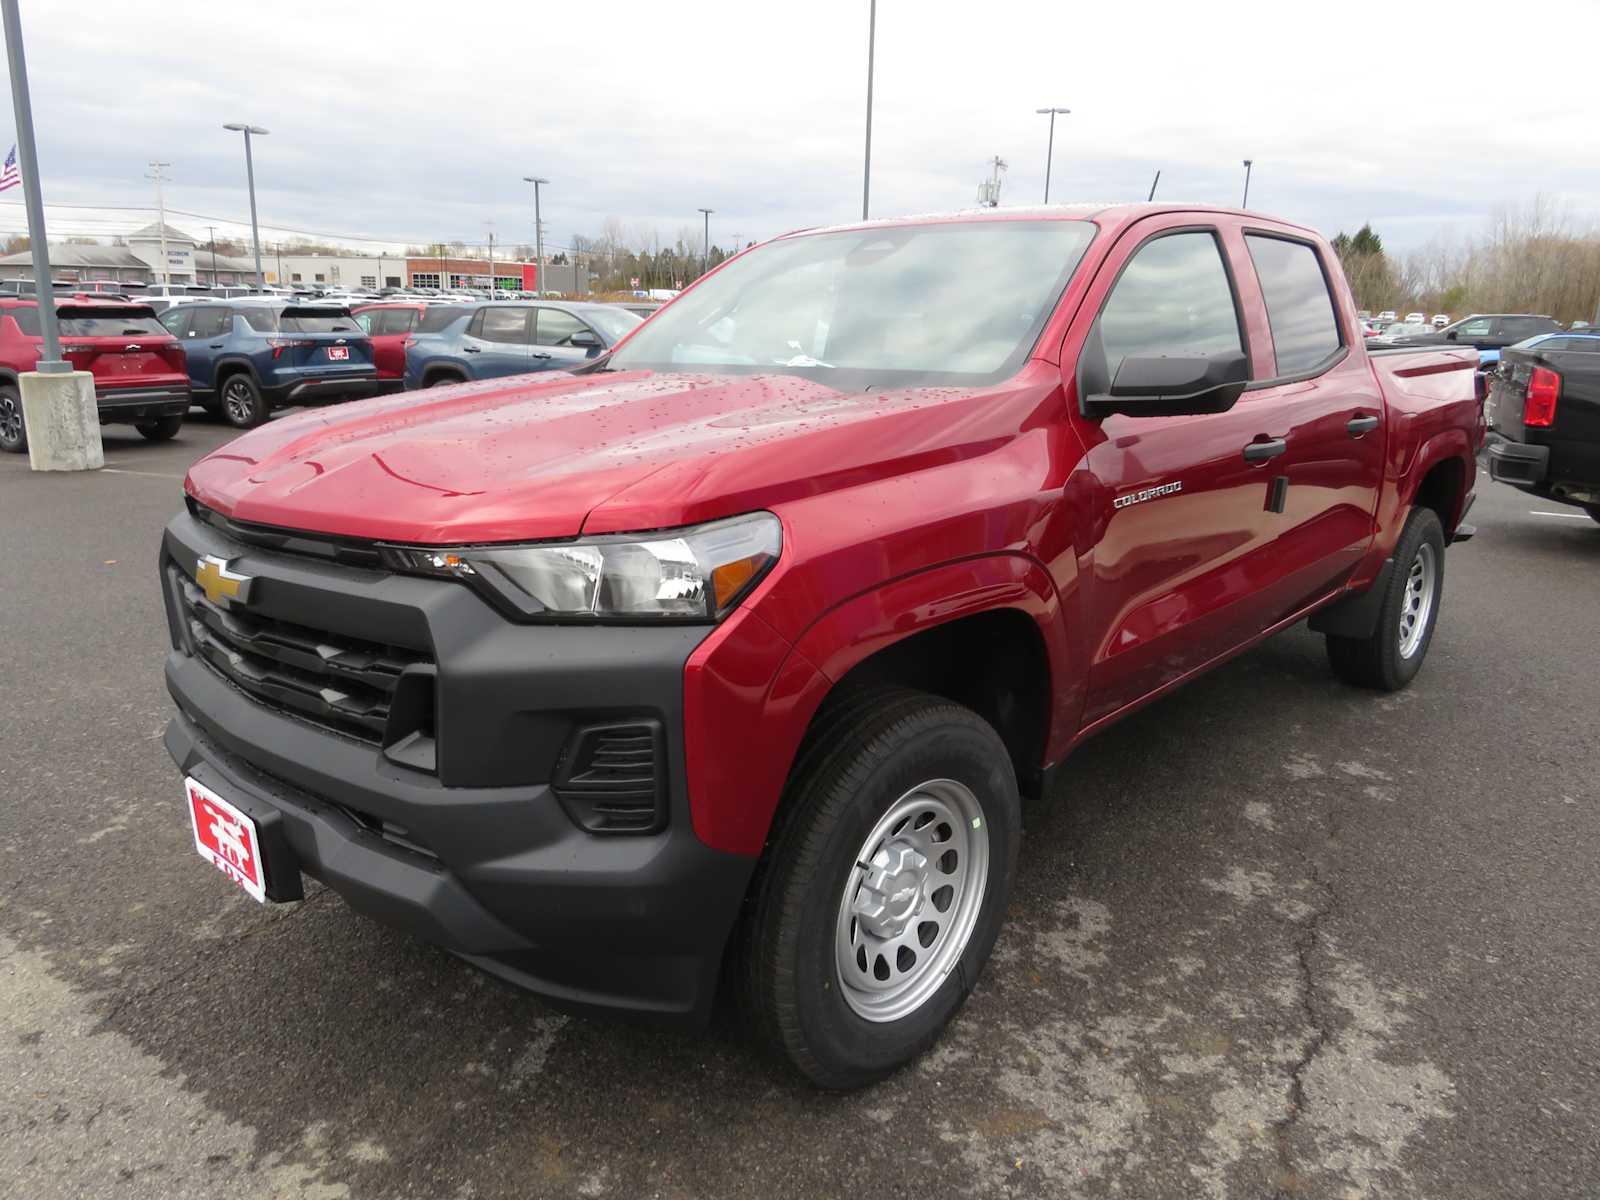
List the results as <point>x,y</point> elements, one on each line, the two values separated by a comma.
<point>416,122</point>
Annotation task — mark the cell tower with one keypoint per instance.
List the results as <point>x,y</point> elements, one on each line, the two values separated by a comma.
<point>989,189</point>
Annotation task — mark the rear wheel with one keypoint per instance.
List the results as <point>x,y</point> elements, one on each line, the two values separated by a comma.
<point>443,379</point>
<point>884,889</point>
<point>162,429</point>
<point>243,405</point>
<point>13,434</point>
<point>1392,655</point>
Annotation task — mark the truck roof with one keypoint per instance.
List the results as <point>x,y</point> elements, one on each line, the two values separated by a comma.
<point>1106,215</point>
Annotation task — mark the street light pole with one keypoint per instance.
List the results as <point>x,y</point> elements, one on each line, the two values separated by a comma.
<point>1245,203</point>
<point>872,46</point>
<point>250,175</point>
<point>705,253</point>
<point>538,236</point>
<point>51,363</point>
<point>1050,153</point>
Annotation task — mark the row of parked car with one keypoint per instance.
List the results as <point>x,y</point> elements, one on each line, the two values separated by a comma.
<point>240,358</point>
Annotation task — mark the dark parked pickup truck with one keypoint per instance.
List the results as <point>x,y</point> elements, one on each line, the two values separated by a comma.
<point>738,645</point>
<point>1544,419</point>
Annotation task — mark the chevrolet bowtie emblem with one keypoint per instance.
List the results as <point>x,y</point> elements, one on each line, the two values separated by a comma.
<point>221,585</point>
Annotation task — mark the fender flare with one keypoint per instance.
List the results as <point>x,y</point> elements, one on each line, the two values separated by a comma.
<point>225,365</point>
<point>735,793</point>
<point>1444,445</point>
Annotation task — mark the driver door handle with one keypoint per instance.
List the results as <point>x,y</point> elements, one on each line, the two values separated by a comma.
<point>541,354</point>
<point>1365,423</point>
<point>1261,451</point>
<point>471,350</point>
<point>216,345</point>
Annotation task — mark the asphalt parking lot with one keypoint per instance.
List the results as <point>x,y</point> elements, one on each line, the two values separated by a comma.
<point>1274,937</point>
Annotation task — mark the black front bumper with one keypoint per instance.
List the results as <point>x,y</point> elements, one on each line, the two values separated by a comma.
<point>489,864</point>
<point>140,404</point>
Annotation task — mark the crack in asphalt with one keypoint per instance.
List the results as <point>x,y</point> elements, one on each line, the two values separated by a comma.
<point>192,968</point>
<point>1306,943</point>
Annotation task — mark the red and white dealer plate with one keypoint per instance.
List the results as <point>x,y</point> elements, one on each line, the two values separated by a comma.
<point>338,353</point>
<point>226,838</point>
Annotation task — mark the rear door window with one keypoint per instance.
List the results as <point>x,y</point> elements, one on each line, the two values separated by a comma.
<point>390,321</point>
<point>176,320</point>
<point>1305,331</point>
<point>438,318</point>
<point>508,326</point>
<point>1475,328</point>
<point>1173,298</point>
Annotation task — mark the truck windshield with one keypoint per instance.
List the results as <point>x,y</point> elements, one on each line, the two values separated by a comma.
<point>958,303</point>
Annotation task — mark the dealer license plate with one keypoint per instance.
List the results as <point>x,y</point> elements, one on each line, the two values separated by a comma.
<point>227,839</point>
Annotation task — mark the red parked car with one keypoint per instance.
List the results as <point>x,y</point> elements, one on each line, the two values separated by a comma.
<point>140,377</point>
<point>389,325</point>
<point>738,644</point>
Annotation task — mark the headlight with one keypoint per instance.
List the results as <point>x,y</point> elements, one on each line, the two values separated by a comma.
<point>694,574</point>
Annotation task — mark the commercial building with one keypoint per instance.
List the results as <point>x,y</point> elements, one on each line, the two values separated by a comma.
<point>139,261</point>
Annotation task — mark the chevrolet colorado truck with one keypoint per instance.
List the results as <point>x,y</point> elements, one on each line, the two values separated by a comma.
<point>729,654</point>
<point>1543,413</point>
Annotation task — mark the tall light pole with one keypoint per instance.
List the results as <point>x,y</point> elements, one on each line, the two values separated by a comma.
<point>705,254</point>
<point>489,225</point>
<point>1050,152</point>
<point>1245,203</point>
<point>538,236</point>
<point>250,175</point>
<point>872,46</point>
<point>51,362</point>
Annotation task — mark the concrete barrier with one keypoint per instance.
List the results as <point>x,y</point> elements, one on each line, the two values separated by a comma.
<point>62,422</point>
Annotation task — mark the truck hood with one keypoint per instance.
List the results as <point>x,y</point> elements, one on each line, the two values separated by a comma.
<point>519,459</point>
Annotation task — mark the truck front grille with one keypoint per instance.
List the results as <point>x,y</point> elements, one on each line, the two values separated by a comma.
<point>330,679</point>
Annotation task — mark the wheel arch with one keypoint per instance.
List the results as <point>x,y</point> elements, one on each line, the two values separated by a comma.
<point>995,618</point>
<point>230,366</point>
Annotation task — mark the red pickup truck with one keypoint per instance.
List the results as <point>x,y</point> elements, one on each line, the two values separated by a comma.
<point>747,637</point>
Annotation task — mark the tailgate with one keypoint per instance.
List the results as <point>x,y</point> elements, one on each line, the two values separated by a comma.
<point>116,362</point>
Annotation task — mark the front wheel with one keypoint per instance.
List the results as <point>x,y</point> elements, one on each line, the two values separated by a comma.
<point>243,405</point>
<point>883,892</point>
<point>13,434</point>
<point>1392,655</point>
<point>162,429</point>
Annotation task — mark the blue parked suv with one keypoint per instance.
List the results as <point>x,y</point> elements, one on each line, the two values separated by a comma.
<point>484,341</point>
<point>247,357</point>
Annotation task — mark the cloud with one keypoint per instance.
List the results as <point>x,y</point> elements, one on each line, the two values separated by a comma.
<point>416,122</point>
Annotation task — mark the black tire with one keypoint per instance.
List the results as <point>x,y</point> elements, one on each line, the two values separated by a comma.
<point>243,405</point>
<point>162,429</point>
<point>868,754</point>
<point>1381,661</point>
<point>443,379</point>
<point>13,431</point>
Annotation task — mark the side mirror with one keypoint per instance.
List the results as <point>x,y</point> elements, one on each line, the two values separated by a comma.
<point>585,339</point>
<point>1172,387</point>
<point>1451,335</point>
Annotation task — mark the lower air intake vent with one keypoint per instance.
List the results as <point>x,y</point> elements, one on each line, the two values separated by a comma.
<point>612,778</point>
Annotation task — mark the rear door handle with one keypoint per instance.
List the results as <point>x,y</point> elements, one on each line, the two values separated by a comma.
<point>216,345</point>
<point>1261,451</point>
<point>471,350</point>
<point>540,354</point>
<point>1363,424</point>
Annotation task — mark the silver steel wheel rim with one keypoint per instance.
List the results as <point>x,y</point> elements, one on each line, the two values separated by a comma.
<point>236,399</point>
<point>10,418</point>
<point>912,900</point>
<point>1416,605</point>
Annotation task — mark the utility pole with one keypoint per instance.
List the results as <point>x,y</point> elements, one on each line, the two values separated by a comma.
<point>872,46</point>
<point>161,219</point>
<point>1245,203</point>
<point>705,253</point>
<point>1050,152</point>
<point>212,230</point>
<point>989,189</point>
<point>538,235</point>
<point>490,224</point>
<point>1153,184</point>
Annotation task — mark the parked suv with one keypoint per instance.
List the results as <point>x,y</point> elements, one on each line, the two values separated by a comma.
<point>1485,331</point>
<point>138,367</point>
<point>248,357</point>
<point>483,341</point>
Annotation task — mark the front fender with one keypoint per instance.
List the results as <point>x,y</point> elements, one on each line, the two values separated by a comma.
<point>750,695</point>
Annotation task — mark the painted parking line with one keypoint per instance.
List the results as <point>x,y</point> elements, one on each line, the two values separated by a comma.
<point>1539,512</point>
<point>145,474</point>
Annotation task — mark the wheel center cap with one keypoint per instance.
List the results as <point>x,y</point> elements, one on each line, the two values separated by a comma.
<point>892,891</point>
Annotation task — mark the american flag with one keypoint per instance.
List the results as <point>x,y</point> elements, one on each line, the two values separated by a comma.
<point>10,175</point>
